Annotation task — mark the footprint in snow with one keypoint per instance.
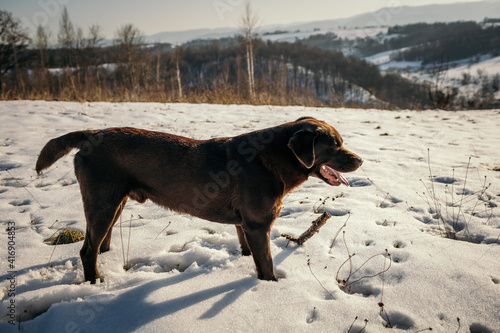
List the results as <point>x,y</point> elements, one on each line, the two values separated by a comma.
<point>387,148</point>
<point>359,182</point>
<point>394,277</point>
<point>424,219</point>
<point>445,180</point>
<point>479,328</point>
<point>12,182</point>
<point>365,288</point>
<point>399,257</point>
<point>399,244</point>
<point>394,319</point>
<point>334,212</point>
<point>313,315</point>
<point>390,202</point>
<point>386,223</point>
<point>18,203</point>
<point>416,209</point>
<point>8,165</point>
<point>370,242</point>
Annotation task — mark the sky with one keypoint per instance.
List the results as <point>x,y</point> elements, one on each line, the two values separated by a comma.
<point>153,16</point>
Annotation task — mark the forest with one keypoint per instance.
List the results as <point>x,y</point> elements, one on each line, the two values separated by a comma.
<point>426,42</point>
<point>434,43</point>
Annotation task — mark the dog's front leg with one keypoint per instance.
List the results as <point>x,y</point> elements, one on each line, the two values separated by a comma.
<point>257,237</point>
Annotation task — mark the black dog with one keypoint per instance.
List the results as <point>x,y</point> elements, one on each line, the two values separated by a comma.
<point>240,180</point>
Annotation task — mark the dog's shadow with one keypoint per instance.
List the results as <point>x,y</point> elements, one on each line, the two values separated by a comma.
<point>136,307</point>
<point>141,310</point>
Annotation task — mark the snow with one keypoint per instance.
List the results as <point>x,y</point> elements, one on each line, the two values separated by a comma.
<point>385,63</point>
<point>187,274</point>
<point>489,66</point>
<point>350,33</point>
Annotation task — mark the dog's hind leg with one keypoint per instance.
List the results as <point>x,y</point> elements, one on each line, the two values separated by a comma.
<point>245,248</point>
<point>100,212</point>
<point>102,195</point>
<point>105,245</point>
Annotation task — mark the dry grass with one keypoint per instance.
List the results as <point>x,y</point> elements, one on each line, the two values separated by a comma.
<point>455,206</point>
<point>68,87</point>
<point>66,236</point>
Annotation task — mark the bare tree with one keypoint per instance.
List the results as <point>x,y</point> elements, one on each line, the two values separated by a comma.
<point>158,64</point>
<point>130,41</point>
<point>80,44</point>
<point>42,42</point>
<point>95,35</point>
<point>178,52</point>
<point>42,76</point>
<point>66,36</point>
<point>239,75</point>
<point>13,39</point>
<point>248,22</point>
<point>95,38</point>
<point>440,93</point>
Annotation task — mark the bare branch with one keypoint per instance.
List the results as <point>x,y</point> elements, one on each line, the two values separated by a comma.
<point>314,228</point>
<point>248,21</point>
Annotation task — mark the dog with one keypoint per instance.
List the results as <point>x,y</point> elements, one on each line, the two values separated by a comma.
<point>237,180</point>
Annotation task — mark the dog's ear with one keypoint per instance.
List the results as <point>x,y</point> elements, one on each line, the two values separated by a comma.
<point>302,145</point>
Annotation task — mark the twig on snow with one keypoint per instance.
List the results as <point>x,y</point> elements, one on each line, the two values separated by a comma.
<point>314,228</point>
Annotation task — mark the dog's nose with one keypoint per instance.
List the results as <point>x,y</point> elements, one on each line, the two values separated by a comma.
<point>358,161</point>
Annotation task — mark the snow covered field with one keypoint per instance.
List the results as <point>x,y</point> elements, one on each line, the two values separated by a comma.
<point>190,276</point>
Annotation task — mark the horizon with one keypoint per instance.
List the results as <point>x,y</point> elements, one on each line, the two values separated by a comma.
<point>214,14</point>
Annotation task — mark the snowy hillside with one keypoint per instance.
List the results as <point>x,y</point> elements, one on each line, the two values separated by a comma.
<point>469,76</point>
<point>187,275</point>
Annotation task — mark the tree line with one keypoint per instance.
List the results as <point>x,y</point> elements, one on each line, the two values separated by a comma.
<point>430,43</point>
<point>240,69</point>
<point>435,43</point>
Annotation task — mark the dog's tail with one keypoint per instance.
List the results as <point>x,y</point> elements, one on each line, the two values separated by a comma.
<point>58,147</point>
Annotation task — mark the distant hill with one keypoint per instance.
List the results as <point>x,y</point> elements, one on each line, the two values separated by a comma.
<point>389,16</point>
<point>180,37</point>
<point>466,11</point>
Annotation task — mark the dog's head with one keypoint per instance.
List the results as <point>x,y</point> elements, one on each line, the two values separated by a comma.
<point>318,147</point>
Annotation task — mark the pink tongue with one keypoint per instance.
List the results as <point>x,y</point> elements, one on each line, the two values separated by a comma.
<point>333,175</point>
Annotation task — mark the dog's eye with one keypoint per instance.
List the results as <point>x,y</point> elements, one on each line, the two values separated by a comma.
<point>332,149</point>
